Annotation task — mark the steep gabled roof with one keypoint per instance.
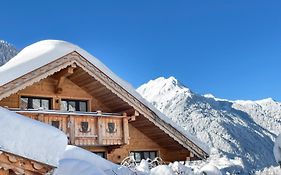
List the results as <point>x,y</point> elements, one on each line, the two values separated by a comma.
<point>46,52</point>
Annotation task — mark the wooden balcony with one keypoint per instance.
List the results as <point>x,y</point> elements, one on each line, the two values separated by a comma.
<point>85,128</point>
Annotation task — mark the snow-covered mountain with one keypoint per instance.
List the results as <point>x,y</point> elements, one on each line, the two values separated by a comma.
<point>241,132</point>
<point>7,51</point>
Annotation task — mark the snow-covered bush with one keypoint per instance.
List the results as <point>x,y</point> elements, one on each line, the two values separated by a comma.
<point>143,166</point>
<point>277,149</point>
<point>209,170</point>
<point>181,169</point>
<point>162,170</point>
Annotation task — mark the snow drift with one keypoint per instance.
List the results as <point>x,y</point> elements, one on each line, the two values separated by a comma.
<point>30,138</point>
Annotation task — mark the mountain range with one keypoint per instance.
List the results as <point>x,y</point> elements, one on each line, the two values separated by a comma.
<point>240,133</point>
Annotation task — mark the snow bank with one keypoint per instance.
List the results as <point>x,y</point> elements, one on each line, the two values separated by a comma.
<point>79,154</point>
<point>30,138</point>
<point>143,166</point>
<point>269,171</point>
<point>179,168</point>
<point>76,160</point>
<point>162,170</point>
<point>46,51</point>
<point>79,161</point>
<point>210,170</point>
<point>75,167</point>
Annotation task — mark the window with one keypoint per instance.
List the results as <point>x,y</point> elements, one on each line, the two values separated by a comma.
<point>73,105</point>
<point>139,155</point>
<point>101,154</point>
<point>56,124</point>
<point>35,103</point>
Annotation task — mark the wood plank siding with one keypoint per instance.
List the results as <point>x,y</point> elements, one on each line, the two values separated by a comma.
<point>97,132</point>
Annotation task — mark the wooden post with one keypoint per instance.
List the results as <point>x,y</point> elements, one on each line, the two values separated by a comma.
<point>100,131</point>
<point>126,129</point>
<point>72,130</point>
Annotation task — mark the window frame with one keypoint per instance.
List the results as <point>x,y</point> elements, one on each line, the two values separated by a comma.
<point>77,104</point>
<point>133,153</point>
<point>30,100</point>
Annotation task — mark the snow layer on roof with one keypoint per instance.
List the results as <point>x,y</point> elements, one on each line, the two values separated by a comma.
<point>31,139</point>
<point>46,51</point>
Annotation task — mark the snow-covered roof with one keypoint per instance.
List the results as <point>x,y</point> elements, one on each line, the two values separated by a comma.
<point>43,52</point>
<point>30,139</point>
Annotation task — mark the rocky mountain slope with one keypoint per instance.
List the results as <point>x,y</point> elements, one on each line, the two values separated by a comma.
<point>240,132</point>
<point>7,51</point>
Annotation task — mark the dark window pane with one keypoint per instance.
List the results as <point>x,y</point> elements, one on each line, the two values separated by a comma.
<point>63,105</point>
<point>137,156</point>
<point>146,155</point>
<point>23,103</point>
<point>45,104</point>
<point>71,106</point>
<point>152,155</point>
<point>56,124</point>
<point>82,106</point>
<point>36,103</point>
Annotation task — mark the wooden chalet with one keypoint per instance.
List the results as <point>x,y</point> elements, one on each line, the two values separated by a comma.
<point>60,84</point>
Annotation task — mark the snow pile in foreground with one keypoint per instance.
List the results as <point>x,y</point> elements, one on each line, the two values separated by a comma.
<point>30,138</point>
<point>270,171</point>
<point>76,160</point>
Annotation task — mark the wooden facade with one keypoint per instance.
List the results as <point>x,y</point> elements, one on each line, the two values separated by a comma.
<point>115,122</point>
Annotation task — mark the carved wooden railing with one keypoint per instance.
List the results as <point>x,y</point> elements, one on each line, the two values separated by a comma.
<point>85,128</point>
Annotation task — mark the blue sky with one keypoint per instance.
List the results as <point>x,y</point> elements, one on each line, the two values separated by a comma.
<point>230,48</point>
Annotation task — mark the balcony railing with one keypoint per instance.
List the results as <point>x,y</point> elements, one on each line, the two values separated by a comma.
<point>85,128</point>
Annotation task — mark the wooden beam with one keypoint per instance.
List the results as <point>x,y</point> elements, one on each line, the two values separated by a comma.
<point>61,76</point>
<point>100,128</point>
<point>65,72</point>
<point>126,129</point>
<point>71,130</point>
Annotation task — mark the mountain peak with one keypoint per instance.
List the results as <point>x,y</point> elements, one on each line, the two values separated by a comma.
<point>7,51</point>
<point>167,85</point>
<point>171,82</point>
